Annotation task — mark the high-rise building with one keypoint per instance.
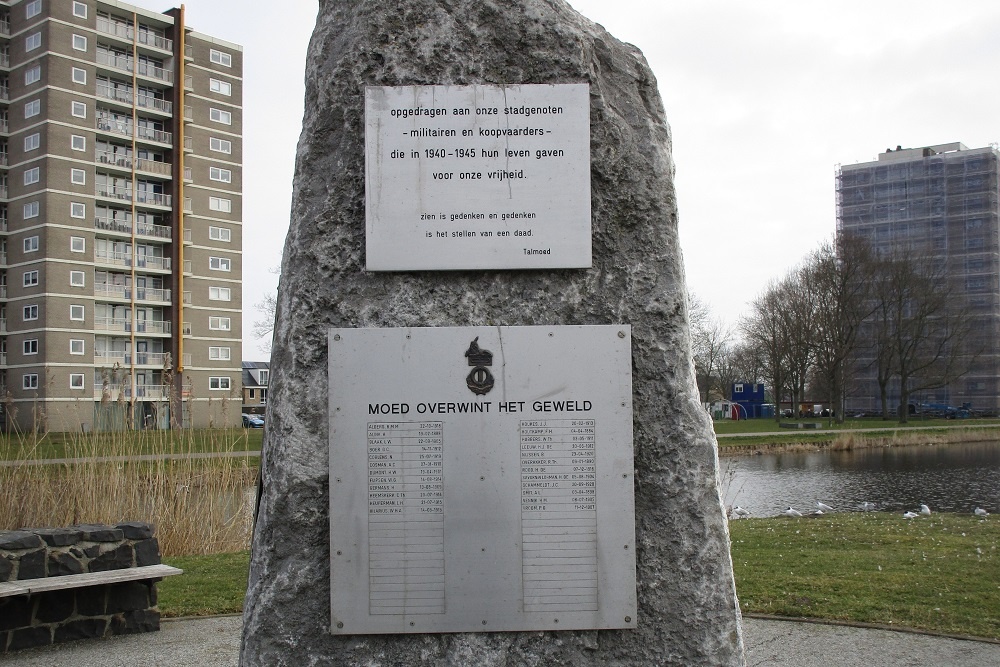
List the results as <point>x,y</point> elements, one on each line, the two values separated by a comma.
<point>120,218</point>
<point>940,201</point>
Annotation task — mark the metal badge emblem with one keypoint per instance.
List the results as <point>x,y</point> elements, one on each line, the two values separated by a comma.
<point>480,380</point>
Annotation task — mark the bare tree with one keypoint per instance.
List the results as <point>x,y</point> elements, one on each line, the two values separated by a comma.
<point>710,337</point>
<point>839,277</point>
<point>764,330</point>
<point>263,327</point>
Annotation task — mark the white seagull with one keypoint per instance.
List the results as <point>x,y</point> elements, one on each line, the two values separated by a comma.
<point>867,507</point>
<point>823,507</point>
<point>739,511</point>
<point>791,512</point>
<point>925,510</point>
<point>979,511</point>
<point>910,515</point>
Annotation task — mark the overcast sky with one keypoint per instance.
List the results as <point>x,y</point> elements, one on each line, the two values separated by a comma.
<point>764,99</point>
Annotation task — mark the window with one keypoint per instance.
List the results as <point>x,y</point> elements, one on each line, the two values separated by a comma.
<point>262,376</point>
<point>220,145</point>
<point>218,383</point>
<point>221,87</point>
<point>30,346</point>
<point>76,380</point>
<point>78,176</point>
<point>32,108</point>
<point>219,323</point>
<point>76,346</point>
<point>29,278</point>
<point>32,74</point>
<point>219,234</point>
<point>78,142</point>
<point>31,244</point>
<point>220,58</point>
<point>220,116</point>
<point>77,279</point>
<point>32,41</point>
<point>77,210</point>
<point>79,42</point>
<point>33,9</point>
<point>31,176</point>
<point>79,9</point>
<point>79,75</point>
<point>76,312</point>
<point>77,244</point>
<point>31,210</point>
<point>219,353</point>
<point>79,109</point>
<point>32,141</point>
<point>29,381</point>
<point>220,293</point>
<point>221,175</point>
<point>29,313</point>
<point>220,263</point>
<point>220,204</point>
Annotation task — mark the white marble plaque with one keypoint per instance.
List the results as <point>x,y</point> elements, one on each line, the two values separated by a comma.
<point>477,177</point>
<point>481,479</point>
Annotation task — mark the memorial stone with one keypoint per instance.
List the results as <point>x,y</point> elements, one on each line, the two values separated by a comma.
<point>341,272</point>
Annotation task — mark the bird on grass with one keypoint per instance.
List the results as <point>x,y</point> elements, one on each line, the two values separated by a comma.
<point>979,511</point>
<point>791,512</point>
<point>910,515</point>
<point>925,510</point>
<point>823,507</point>
<point>740,512</point>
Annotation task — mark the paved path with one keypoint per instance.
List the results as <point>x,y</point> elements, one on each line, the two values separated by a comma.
<point>214,642</point>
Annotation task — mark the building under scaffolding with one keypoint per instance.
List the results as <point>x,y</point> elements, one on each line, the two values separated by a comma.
<point>942,201</point>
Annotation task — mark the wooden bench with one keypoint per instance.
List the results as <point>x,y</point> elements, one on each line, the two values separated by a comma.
<point>67,581</point>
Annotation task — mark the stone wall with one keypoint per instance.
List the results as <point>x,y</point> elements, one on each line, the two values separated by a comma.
<point>76,613</point>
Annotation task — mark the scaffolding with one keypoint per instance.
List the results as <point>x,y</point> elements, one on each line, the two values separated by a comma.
<point>943,202</point>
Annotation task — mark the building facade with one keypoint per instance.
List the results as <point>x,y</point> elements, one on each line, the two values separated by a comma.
<point>256,375</point>
<point>120,211</point>
<point>943,202</point>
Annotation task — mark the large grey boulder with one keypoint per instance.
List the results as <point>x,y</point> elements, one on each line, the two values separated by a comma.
<point>688,612</point>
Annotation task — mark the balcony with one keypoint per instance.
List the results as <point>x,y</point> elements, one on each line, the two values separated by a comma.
<point>3,292</point>
<point>188,112</point>
<point>155,103</point>
<point>5,94</point>
<point>188,174</point>
<point>3,192</point>
<point>112,291</point>
<point>112,392</point>
<point>152,262</point>
<point>115,258</point>
<point>114,125</point>
<point>152,294</point>
<point>151,134</point>
<point>4,125</point>
<point>120,62</point>
<point>112,159</point>
<point>155,72</point>
<point>164,169</point>
<point>112,192</point>
<point>123,95</point>
<point>3,358</point>
<point>154,40</point>
<point>120,30</point>
<point>155,231</point>
<point>188,144</point>
<point>113,324</point>
<point>185,328</point>
<point>187,298</point>
<point>188,82</point>
<point>188,237</point>
<point>5,28</point>
<point>189,52</point>
<point>109,224</point>
<point>152,327</point>
<point>4,60</point>
<point>153,198</point>
<point>112,357</point>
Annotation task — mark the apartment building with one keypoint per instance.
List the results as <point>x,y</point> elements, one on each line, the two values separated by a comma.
<point>120,218</point>
<point>940,201</point>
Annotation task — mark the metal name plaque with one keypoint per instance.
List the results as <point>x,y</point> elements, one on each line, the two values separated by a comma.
<point>477,177</point>
<point>481,479</point>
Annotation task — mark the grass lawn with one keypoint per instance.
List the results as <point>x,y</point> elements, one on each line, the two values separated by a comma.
<point>83,445</point>
<point>938,573</point>
<point>210,585</point>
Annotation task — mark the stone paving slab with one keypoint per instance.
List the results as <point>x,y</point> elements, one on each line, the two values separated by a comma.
<point>215,642</point>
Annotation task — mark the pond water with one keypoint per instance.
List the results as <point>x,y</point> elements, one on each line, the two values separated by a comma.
<point>948,478</point>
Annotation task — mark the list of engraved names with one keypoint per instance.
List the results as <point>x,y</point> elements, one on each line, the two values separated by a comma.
<point>406,518</point>
<point>559,514</point>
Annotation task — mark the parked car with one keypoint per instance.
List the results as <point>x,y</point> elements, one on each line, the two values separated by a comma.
<point>252,421</point>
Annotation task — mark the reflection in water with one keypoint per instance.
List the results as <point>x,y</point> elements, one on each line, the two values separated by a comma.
<point>949,478</point>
